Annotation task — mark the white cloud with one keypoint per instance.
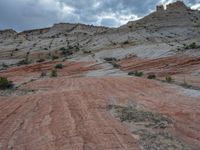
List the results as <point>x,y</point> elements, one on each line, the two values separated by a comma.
<point>119,19</point>
<point>61,8</point>
<point>196,6</point>
<point>28,14</point>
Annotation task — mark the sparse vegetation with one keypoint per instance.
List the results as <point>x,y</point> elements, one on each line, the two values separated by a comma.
<point>66,51</point>
<point>191,46</point>
<point>126,42</point>
<point>110,59</point>
<point>54,73</point>
<point>43,73</point>
<point>54,57</point>
<point>5,83</point>
<point>40,60</point>
<point>136,73</point>
<point>151,76</point>
<point>115,65</point>
<point>87,52</point>
<point>168,79</point>
<point>24,62</point>
<point>59,66</point>
<point>4,65</point>
<point>139,74</point>
<point>131,73</point>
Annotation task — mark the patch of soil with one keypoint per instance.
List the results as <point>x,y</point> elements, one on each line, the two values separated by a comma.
<point>16,92</point>
<point>152,128</point>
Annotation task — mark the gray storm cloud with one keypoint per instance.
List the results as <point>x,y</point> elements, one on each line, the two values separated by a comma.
<point>28,14</point>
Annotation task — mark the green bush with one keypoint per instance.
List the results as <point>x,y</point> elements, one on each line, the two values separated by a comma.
<point>168,79</point>
<point>5,83</point>
<point>151,76</point>
<point>59,66</point>
<point>54,73</point>
<point>136,73</point>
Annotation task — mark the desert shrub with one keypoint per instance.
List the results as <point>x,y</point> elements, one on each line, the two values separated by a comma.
<point>115,65</point>
<point>63,49</point>
<point>5,83</point>
<point>40,60</point>
<point>54,57</point>
<point>54,73</point>
<point>193,45</point>
<point>76,47</point>
<point>110,59</point>
<point>126,42</point>
<point>67,51</point>
<point>138,74</point>
<point>135,73</point>
<point>87,52</point>
<point>151,76</point>
<point>168,79</point>
<point>131,73</point>
<point>43,73</point>
<point>4,65</point>
<point>24,62</point>
<point>59,66</point>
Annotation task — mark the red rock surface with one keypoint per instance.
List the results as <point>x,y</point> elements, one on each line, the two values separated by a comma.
<point>180,67</point>
<point>69,112</point>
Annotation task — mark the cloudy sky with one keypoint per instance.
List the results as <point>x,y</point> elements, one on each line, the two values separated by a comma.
<point>29,14</point>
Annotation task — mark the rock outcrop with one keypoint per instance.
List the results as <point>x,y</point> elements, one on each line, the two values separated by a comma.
<point>162,26</point>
